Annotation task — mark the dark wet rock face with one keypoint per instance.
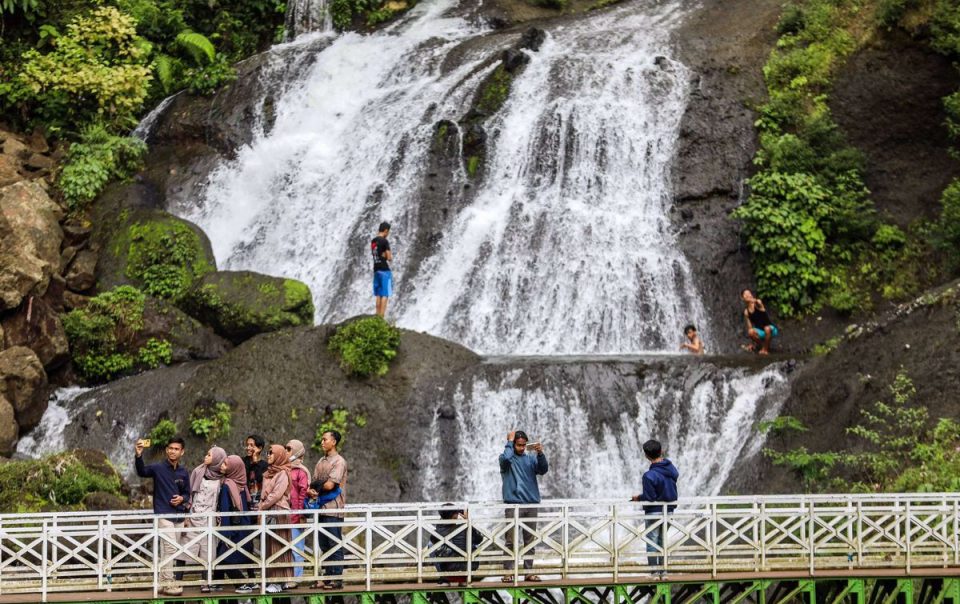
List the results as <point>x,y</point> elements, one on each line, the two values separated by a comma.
<point>725,45</point>
<point>888,100</point>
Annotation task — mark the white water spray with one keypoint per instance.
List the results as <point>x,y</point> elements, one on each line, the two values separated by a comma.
<point>565,247</point>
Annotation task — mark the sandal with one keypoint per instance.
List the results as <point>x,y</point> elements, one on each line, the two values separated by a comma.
<point>533,578</point>
<point>507,579</point>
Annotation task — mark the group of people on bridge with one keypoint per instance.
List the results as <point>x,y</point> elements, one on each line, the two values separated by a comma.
<point>252,484</point>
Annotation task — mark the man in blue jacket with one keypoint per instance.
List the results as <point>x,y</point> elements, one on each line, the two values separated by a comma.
<point>660,485</point>
<point>519,472</point>
<point>171,495</point>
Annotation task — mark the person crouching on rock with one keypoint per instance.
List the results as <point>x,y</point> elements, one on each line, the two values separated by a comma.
<point>760,329</point>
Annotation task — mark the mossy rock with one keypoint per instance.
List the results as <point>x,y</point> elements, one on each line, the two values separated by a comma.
<point>154,251</point>
<point>241,304</point>
<point>58,482</point>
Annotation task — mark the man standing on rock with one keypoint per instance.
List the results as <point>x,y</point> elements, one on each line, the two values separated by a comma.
<point>519,472</point>
<point>331,472</point>
<point>171,495</point>
<point>382,277</point>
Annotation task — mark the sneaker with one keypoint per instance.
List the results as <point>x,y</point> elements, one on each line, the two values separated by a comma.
<point>173,590</point>
<point>290,585</point>
<point>274,588</point>
<point>246,588</point>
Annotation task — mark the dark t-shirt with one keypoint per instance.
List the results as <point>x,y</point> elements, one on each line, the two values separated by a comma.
<point>378,247</point>
<point>255,476</point>
<point>759,318</point>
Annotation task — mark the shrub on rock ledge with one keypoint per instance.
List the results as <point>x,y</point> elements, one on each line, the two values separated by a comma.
<point>241,304</point>
<point>366,346</point>
<point>57,482</point>
<point>155,251</point>
<point>104,336</point>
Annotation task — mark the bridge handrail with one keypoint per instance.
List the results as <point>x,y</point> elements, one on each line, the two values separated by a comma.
<point>683,502</point>
<point>103,551</point>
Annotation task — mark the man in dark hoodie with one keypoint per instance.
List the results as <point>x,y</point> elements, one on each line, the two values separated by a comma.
<point>659,485</point>
<point>519,472</point>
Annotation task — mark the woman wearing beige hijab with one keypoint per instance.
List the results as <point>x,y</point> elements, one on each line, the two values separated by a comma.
<point>276,496</point>
<point>204,489</point>
<point>299,483</point>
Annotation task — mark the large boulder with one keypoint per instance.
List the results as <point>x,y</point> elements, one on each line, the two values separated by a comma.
<point>8,428</point>
<point>23,383</point>
<point>152,250</point>
<point>37,326</point>
<point>241,304</point>
<point>189,339</point>
<point>30,238</point>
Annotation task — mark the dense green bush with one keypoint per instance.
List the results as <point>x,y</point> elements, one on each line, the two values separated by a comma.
<point>96,159</point>
<point>95,72</point>
<point>103,336</point>
<point>162,432</point>
<point>366,346</point>
<point>58,481</point>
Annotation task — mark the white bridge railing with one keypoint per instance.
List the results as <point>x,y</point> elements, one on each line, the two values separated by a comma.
<point>74,552</point>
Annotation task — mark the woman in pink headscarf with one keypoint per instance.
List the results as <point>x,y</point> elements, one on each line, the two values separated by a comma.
<point>276,496</point>
<point>234,497</point>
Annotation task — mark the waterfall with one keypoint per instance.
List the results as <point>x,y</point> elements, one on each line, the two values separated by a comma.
<point>304,16</point>
<point>564,247</point>
<point>47,437</point>
<point>593,419</point>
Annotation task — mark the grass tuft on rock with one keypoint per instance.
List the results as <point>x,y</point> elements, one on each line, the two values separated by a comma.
<point>366,346</point>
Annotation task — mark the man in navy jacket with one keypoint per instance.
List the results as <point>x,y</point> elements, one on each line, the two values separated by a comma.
<point>171,495</point>
<point>660,485</point>
<point>519,473</point>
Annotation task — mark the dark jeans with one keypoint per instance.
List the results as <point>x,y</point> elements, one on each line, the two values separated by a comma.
<point>326,543</point>
<point>526,536</point>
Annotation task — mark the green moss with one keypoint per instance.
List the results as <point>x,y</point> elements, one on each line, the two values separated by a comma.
<point>104,335</point>
<point>494,90</point>
<point>59,481</point>
<point>166,256</point>
<point>473,165</point>
<point>239,305</point>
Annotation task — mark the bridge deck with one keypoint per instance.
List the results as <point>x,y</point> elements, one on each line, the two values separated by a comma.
<point>194,593</point>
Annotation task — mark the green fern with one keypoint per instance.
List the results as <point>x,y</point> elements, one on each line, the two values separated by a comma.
<point>198,45</point>
<point>163,65</point>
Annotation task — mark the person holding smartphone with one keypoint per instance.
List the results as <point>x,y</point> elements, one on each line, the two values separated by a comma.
<point>519,473</point>
<point>171,498</point>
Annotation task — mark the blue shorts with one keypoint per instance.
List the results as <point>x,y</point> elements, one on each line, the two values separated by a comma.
<point>774,332</point>
<point>382,284</point>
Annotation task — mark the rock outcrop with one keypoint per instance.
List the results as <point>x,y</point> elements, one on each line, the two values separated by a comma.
<point>241,304</point>
<point>30,237</point>
<point>23,383</point>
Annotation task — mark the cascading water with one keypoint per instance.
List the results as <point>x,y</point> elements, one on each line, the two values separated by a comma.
<point>562,245</point>
<point>565,246</point>
<point>304,16</point>
<point>593,418</point>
